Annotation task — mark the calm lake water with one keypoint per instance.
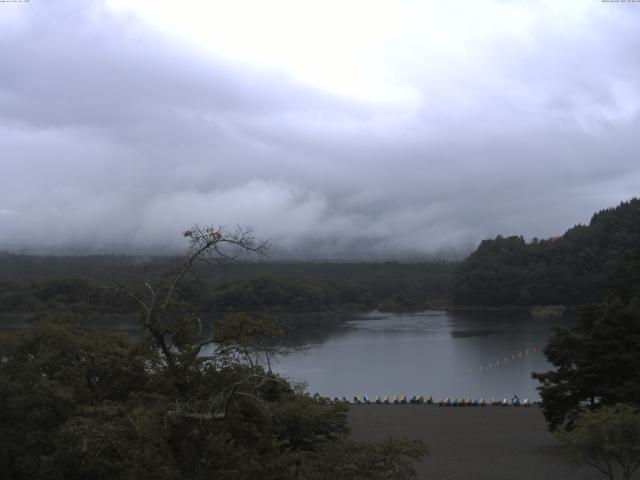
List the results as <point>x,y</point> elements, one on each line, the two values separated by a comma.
<point>443,354</point>
<point>471,354</point>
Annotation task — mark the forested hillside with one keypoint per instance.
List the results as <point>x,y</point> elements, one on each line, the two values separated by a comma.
<point>582,266</point>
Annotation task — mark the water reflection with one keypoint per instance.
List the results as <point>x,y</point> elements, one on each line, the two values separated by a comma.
<point>471,354</point>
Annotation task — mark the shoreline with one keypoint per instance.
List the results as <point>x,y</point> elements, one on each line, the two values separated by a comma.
<point>471,443</point>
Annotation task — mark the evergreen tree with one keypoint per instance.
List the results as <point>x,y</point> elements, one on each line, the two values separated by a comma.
<point>597,362</point>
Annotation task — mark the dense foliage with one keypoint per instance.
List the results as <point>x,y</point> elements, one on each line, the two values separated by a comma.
<point>597,362</point>
<point>174,404</point>
<point>584,265</point>
<point>79,405</point>
<point>607,439</point>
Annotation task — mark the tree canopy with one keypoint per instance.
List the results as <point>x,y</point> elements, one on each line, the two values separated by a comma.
<point>597,362</point>
<point>584,265</point>
<point>607,439</point>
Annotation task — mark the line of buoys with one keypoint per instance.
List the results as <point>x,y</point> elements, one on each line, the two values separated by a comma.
<point>443,402</point>
<point>501,361</point>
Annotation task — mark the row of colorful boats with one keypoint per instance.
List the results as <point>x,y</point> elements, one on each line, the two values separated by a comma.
<point>443,402</point>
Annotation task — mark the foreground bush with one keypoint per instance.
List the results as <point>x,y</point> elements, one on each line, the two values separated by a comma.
<point>607,439</point>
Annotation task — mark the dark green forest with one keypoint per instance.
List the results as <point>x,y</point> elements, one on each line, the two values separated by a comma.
<point>34,286</point>
<point>582,266</point>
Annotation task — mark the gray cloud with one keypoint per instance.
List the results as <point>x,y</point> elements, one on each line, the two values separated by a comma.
<point>115,137</point>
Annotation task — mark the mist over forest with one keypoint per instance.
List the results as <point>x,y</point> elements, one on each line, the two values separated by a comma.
<point>124,123</point>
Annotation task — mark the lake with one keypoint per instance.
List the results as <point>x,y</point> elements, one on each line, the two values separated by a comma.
<point>443,354</point>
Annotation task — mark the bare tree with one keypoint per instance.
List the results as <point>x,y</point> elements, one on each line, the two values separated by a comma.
<point>240,340</point>
<point>207,244</point>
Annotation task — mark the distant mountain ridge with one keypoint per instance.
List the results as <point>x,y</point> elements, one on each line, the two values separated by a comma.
<point>583,265</point>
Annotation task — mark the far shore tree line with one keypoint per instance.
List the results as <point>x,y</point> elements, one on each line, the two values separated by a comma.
<point>586,264</point>
<point>267,288</point>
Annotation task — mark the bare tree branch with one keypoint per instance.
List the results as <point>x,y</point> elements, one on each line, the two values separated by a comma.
<point>205,242</point>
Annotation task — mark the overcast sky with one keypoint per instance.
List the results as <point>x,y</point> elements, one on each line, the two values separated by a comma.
<point>336,128</point>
